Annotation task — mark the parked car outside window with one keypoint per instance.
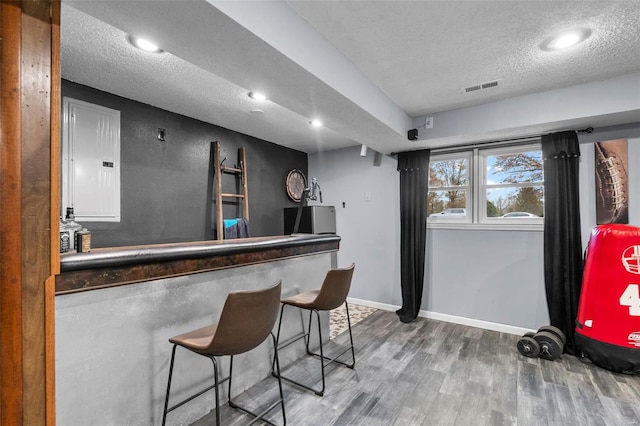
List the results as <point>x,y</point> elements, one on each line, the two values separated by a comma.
<point>519,215</point>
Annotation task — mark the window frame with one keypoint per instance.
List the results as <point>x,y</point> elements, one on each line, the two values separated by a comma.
<point>483,155</point>
<point>468,155</point>
<point>476,217</point>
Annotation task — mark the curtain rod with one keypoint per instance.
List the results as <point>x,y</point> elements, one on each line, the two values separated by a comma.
<point>496,143</point>
<point>499,142</point>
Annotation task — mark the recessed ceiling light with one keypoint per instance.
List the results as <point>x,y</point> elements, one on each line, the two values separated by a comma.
<point>316,123</point>
<point>258,96</point>
<point>257,111</point>
<point>566,39</point>
<point>145,45</point>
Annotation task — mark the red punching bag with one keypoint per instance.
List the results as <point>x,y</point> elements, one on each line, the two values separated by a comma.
<point>608,322</point>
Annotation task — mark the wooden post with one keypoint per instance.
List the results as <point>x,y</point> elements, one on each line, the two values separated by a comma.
<point>217,175</point>
<point>29,259</point>
<point>11,366</point>
<point>244,181</point>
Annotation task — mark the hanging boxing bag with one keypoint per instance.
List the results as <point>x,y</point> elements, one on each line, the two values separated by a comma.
<point>608,322</point>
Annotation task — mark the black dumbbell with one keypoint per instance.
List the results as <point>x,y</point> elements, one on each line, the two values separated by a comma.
<point>551,341</point>
<point>554,330</point>
<point>528,346</point>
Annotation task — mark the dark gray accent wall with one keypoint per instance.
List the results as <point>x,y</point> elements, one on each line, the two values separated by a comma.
<point>165,185</point>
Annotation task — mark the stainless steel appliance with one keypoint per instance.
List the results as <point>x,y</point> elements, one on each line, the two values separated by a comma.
<point>314,220</point>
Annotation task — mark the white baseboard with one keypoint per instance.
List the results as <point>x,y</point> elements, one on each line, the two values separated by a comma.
<point>377,305</point>
<point>487,325</point>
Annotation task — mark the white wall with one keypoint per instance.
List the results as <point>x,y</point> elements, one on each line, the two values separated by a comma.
<point>487,276</point>
<point>370,230</point>
<point>600,103</point>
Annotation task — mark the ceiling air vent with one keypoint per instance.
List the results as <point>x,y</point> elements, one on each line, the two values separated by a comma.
<point>482,86</point>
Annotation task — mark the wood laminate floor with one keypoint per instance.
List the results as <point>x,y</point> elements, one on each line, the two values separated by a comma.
<point>435,373</point>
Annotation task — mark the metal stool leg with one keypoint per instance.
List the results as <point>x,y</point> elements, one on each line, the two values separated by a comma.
<point>353,352</point>
<point>307,339</point>
<point>261,415</point>
<point>216,383</point>
<point>335,358</point>
<point>275,349</point>
<point>293,339</point>
<point>166,399</point>
<point>231,403</point>
<point>167,409</point>
<point>323,358</point>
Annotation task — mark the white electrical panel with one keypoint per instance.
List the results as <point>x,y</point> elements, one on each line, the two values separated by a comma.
<point>91,161</point>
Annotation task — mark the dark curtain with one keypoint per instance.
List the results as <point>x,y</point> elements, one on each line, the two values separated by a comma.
<point>563,261</point>
<point>414,179</point>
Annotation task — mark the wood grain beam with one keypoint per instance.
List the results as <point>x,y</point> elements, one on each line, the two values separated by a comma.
<point>11,368</point>
<point>36,201</point>
<point>54,223</point>
<point>27,180</point>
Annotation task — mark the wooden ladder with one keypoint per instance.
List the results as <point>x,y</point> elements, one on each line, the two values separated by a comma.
<point>240,172</point>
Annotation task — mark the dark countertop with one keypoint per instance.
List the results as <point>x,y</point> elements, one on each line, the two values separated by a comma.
<point>108,267</point>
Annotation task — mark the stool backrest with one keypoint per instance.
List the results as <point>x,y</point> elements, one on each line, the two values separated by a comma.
<point>335,288</point>
<point>247,319</point>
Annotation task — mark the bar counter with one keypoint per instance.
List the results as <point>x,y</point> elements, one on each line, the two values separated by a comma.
<point>107,267</point>
<point>116,309</point>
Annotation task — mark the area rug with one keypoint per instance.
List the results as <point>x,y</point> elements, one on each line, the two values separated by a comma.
<point>338,317</point>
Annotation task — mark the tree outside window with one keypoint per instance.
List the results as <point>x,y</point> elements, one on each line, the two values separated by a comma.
<point>513,184</point>
<point>448,187</point>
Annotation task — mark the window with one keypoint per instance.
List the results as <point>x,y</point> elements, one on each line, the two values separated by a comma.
<point>498,186</point>
<point>449,190</point>
<point>512,185</point>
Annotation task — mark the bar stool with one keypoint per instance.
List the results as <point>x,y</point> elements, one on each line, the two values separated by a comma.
<point>332,294</point>
<point>246,320</point>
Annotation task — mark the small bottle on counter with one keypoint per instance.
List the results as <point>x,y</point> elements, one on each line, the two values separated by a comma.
<point>65,244</point>
<point>83,241</point>
<point>72,227</point>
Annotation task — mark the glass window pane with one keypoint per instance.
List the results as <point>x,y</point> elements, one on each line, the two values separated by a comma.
<point>523,202</point>
<point>514,168</point>
<point>449,173</point>
<point>447,203</point>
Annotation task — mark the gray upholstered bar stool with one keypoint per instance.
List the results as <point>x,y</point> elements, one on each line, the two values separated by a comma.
<point>246,320</point>
<point>331,295</point>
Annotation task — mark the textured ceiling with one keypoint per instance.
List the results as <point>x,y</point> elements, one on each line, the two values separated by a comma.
<point>98,55</point>
<point>423,53</point>
<point>364,67</point>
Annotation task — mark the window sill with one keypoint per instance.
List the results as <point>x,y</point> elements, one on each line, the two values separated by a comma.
<point>529,227</point>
